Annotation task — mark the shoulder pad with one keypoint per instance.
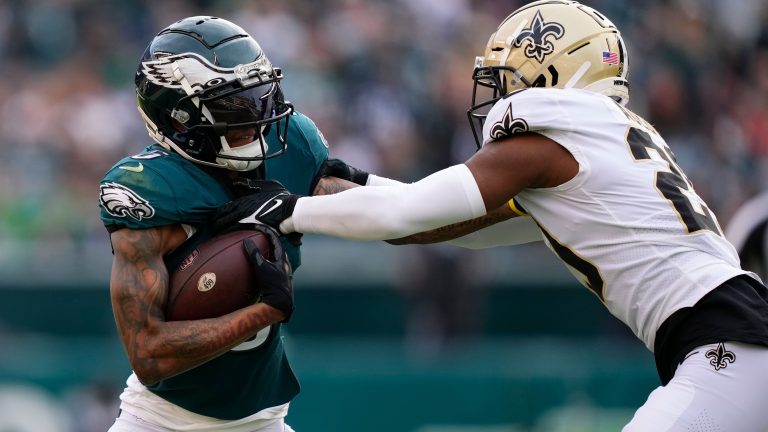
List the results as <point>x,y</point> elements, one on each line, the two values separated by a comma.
<point>157,188</point>
<point>540,109</point>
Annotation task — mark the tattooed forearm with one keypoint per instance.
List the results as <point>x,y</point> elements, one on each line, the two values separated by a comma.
<point>450,232</point>
<point>138,286</point>
<point>332,185</point>
<point>139,289</point>
<point>186,344</point>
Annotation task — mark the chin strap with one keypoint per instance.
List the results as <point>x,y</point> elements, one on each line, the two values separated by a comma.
<point>251,149</point>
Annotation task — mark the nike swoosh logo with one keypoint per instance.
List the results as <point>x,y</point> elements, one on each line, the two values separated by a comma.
<point>277,204</point>
<point>137,169</point>
<point>254,217</point>
<point>689,355</point>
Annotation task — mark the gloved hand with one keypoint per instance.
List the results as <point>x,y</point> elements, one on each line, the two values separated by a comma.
<point>270,203</point>
<point>273,278</point>
<point>339,168</point>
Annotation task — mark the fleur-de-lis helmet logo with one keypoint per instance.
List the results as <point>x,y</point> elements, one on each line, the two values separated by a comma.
<point>537,35</point>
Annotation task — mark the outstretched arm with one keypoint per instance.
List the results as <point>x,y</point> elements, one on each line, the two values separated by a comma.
<point>500,170</point>
<point>156,348</point>
<point>497,172</point>
<point>481,232</point>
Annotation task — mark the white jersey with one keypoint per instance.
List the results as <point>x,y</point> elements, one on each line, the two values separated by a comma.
<point>629,225</point>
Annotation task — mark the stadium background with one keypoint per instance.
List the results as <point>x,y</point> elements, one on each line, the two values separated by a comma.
<point>422,339</point>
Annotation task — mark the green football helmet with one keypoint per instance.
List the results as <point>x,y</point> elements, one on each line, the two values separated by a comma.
<point>202,77</point>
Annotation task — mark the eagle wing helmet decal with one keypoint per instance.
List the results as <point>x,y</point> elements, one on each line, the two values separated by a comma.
<point>160,71</point>
<point>120,201</point>
<point>171,71</point>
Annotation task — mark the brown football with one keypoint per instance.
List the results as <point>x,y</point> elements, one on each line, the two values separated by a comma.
<point>215,279</point>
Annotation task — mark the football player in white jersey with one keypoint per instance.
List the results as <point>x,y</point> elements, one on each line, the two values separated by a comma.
<point>609,199</point>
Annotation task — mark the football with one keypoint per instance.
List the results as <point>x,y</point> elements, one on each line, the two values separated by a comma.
<point>215,278</point>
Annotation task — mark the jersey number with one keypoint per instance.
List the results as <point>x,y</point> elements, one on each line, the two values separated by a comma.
<point>587,273</point>
<point>256,341</point>
<point>673,185</point>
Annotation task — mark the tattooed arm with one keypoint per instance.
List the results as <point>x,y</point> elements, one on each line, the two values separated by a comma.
<point>331,185</point>
<point>158,349</point>
<point>460,229</point>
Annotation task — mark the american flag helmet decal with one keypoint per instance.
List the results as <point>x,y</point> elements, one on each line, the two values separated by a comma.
<point>610,57</point>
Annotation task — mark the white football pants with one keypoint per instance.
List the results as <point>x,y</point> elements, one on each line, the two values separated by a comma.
<point>130,423</point>
<point>717,388</point>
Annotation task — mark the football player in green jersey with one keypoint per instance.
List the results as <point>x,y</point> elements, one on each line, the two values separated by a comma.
<point>213,105</point>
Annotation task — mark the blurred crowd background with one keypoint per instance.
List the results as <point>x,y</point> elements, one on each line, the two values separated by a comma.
<point>388,83</point>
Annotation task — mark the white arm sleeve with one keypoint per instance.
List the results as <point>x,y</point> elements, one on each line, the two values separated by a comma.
<point>514,231</point>
<point>388,212</point>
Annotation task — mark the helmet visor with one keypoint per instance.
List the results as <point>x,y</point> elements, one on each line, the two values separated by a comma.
<point>233,105</point>
<point>239,108</point>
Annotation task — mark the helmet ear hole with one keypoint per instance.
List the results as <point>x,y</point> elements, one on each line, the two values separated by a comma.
<point>540,81</point>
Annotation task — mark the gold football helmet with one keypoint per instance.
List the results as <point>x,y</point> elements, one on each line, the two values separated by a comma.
<point>551,43</point>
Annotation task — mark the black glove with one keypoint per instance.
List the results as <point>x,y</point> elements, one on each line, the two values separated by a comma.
<point>339,168</point>
<point>273,278</point>
<point>270,203</point>
<point>245,186</point>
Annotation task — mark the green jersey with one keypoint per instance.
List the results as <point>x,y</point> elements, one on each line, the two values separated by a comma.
<point>158,187</point>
